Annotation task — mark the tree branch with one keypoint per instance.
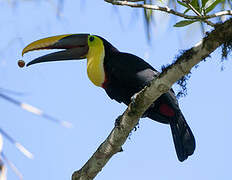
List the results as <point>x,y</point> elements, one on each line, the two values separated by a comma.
<point>168,10</point>
<point>198,13</point>
<point>143,99</point>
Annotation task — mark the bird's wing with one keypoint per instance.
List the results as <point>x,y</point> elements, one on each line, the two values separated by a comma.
<point>127,74</point>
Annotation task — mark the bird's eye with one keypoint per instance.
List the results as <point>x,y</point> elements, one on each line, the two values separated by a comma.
<point>91,38</point>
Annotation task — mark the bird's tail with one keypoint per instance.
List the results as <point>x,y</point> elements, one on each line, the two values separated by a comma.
<point>183,138</point>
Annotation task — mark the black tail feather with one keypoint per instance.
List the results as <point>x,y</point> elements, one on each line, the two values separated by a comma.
<point>183,138</point>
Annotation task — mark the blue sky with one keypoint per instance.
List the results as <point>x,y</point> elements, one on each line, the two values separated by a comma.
<point>63,90</point>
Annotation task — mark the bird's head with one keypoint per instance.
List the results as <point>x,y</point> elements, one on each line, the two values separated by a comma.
<point>75,46</point>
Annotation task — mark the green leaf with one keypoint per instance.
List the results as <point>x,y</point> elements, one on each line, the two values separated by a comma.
<point>195,4</point>
<point>203,2</point>
<point>212,6</point>
<point>183,4</point>
<point>186,11</point>
<point>184,23</point>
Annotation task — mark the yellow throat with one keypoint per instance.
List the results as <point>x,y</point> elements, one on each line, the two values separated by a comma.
<point>95,59</point>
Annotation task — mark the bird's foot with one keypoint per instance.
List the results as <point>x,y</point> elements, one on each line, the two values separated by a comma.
<point>120,150</point>
<point>134,97</point>
<point>118,121</point>
<point>136,127</point>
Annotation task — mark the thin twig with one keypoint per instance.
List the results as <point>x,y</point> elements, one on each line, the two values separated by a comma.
<point>19,146</point>
<point>198,13</point>
<point>35,110</point>
<point>11,164</point>
<point>3,170</point>
<point>168,10</point>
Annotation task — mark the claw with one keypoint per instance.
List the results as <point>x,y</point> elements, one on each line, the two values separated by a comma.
<point>134,97</point>
<point>118,121</point>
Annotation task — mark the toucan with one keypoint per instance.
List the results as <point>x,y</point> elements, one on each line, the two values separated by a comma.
<point>121,75</point>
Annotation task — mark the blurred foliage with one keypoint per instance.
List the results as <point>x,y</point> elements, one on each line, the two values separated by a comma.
<point>204,7</point>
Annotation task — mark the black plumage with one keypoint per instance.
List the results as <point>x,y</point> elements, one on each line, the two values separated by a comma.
<point>126,74</point>
<point>121,75</point>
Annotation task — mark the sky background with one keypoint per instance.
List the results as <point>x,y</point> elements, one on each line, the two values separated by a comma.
<point>63,90</point>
